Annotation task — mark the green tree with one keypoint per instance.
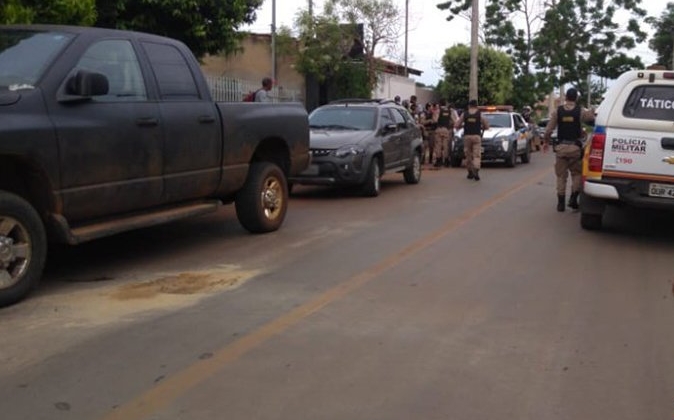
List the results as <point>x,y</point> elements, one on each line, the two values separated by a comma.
<point>66,12</point>
<point>495,70</point>
<point>325,54</point>
<point>381,23</point>
<point>206,26</point>
<point>663,39</point>
<point>580,36</point>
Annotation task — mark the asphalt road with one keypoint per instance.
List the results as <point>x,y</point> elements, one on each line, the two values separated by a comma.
<point>451,299</point>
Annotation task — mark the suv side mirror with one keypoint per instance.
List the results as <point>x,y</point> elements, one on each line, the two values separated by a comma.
<point>390,128</point>
<point>87,83</point>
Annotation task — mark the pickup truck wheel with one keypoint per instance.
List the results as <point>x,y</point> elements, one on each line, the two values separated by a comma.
<point>372,181</point>
<point>413,173</point>
<point>455,162</point>
<point>262,203</point>
<point>23,248</point>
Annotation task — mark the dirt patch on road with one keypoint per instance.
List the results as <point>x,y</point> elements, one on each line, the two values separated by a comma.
<point>181,284</point>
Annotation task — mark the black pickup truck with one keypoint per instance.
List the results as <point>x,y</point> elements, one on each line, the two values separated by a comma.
<point>103,131</point>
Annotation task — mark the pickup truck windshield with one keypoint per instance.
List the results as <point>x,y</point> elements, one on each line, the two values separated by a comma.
<point>25,55</point>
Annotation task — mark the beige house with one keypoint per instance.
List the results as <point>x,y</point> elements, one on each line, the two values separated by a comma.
<point>252,64</point>
<point>232,77</point>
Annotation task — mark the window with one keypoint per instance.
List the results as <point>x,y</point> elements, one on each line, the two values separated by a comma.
<point>345,118</point>
<point>385,118</point>
<point>24,55</point>
<point>117,60</point>
<point>651,102</point>
<point>398,117</point>
<point>173,74</point>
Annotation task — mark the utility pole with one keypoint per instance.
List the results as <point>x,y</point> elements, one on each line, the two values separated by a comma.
<point>475,19</point>
<point>311,8</point>
<point>407,7</point>
<point>551,99</point>
<point>273,41</point>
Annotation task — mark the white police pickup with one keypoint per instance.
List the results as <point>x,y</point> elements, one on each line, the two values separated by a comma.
<point>630,158</point>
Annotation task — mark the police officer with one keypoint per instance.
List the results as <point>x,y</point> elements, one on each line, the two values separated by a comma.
<point>473,124</point>
<point>429,124</point>
<point>445,125</point>
<point>568,120</point>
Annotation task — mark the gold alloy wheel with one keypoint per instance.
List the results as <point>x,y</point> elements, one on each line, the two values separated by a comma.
<point>15,254</point>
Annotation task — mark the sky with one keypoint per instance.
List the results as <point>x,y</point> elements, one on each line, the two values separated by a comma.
<point>429,32</point>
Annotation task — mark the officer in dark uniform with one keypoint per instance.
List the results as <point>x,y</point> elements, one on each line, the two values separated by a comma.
<point>443,135</point>
<point>568,119</point>
<point>473,124</point>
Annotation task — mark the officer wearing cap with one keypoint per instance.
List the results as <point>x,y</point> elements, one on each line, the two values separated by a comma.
<point>568,119</point>
<point>473,124</point>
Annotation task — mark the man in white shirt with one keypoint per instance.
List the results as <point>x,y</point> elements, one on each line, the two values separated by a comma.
<point>262,95</point>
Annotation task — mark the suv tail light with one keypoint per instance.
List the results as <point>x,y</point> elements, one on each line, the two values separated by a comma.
<point>596,157</point>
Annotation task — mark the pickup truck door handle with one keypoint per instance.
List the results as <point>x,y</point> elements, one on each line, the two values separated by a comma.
<point>206,119</point>
<point>667,143</point>
<point>147,122</point>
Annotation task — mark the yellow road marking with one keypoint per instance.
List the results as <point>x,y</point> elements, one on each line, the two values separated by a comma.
<point>173,387</point>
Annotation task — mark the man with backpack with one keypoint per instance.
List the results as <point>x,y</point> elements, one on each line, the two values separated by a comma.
<point>260,95</point>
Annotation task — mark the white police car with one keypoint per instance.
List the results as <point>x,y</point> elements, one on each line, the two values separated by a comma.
<point>630,157</point>
<point>509,137</point>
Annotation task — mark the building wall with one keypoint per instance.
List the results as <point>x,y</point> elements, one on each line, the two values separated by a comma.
<point>253,64</point>
<point>391,85</point>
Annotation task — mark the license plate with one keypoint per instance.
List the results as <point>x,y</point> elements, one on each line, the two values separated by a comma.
<point>311,170</point>
<point>661,190</point>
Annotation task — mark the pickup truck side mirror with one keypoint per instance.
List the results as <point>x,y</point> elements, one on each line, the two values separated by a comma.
<point>87,83</point>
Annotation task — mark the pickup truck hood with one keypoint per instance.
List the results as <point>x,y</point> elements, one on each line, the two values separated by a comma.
<point>334,139</point>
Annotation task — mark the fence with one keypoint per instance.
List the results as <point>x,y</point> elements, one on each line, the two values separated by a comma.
<point>227,89</point>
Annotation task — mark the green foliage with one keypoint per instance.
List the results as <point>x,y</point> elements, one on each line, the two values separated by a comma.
<point>324,44</point>
<point>66,12</point>
<point>455,7</point>
<point>494,72</point>
<point>351,81</point>
<point>542,36</point>
<point>381,26</point>
<point>582,37</point>
<point>663,39</point>
<point>206,26</point>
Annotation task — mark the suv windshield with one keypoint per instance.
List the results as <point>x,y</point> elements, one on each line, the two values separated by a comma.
<point>343,118</point>
<point>498,120</point>
<point>25,54</point>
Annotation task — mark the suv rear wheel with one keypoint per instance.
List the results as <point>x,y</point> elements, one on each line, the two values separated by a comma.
<point>413,172</point>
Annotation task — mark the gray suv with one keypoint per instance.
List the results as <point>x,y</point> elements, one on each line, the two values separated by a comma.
<point>356,141</point>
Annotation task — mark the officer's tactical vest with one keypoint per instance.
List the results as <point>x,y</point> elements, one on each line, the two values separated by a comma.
<point>472,123</point>
<point>568,123</point>
<point>445,117</point>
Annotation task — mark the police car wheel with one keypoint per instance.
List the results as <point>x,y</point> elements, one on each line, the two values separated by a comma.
<point>526,157</point>
<point>511,161</point>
